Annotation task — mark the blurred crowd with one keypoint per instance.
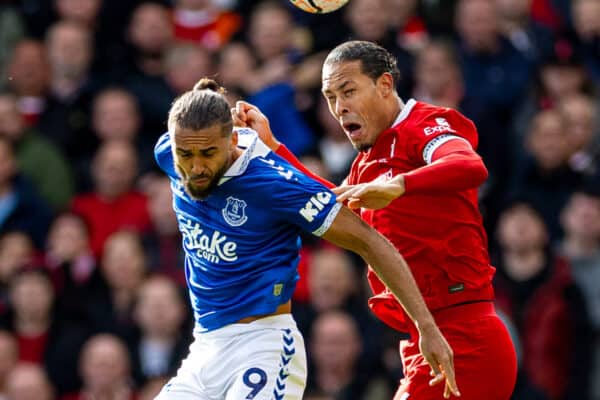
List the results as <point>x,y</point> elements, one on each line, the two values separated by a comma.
<point>92,290</point>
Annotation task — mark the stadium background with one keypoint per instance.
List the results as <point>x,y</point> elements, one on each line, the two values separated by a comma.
<point>92,299</point>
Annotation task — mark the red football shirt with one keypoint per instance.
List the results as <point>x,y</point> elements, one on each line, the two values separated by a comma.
<point>440,234</point>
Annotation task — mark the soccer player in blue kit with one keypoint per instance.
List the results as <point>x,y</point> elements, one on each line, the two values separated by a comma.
<point>240,209</point>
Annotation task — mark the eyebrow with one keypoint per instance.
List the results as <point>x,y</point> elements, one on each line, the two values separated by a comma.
<point>339,87</point>
<point>186,151</point>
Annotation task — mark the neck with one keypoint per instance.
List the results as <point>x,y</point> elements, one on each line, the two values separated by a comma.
<point>117,391</point>
<point>66,86</point>
<point>122,299</point>
<point>332,380</point>
<point>164,338</point>
<point>580,247</point>
<point>523,265</point>
<point>31,326</point>
<point>395,109</point>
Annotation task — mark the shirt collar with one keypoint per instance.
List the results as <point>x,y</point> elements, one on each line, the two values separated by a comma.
<point>405,111</point>
<point>253,148</point>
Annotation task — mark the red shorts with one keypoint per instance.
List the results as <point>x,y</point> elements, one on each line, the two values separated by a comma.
<point>484,356</point>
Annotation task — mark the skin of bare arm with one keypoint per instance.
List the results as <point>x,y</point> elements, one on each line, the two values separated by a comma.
<point>350,232</point>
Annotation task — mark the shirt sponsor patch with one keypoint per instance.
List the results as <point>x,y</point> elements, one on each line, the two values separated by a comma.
<point>442,126</point>
<point>314,205</point>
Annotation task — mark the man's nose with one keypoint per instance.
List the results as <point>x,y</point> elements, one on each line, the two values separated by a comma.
<point>198,167</point>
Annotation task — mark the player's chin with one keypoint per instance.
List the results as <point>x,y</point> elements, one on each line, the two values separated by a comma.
<point>198,192</point>
<point>360,145</point>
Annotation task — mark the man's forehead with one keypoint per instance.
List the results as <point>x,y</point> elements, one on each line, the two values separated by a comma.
<point>206,136</point>
<point>336,74</point>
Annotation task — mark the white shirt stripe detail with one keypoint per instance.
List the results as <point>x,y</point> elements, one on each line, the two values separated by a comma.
<point>436,142</point>
<point>405,111</point>
<point>328,220</point>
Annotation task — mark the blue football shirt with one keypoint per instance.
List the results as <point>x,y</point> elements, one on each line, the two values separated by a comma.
<point>241,242</point>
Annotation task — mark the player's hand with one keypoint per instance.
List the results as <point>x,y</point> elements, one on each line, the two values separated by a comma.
<point>374,195</point>
<point>440,357</point>
<point>247,115</point>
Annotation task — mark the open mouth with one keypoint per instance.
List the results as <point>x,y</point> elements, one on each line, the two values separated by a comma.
<point>353,129</point>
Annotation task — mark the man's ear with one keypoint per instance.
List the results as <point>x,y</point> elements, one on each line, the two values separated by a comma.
<point>385,84</point>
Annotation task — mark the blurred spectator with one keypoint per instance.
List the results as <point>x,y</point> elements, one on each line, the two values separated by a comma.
<point>116,116</point>
<point>104,368</point>
<point>535,289</point>
<point>160,345</point>
<point>43,337</point>
<point>28,382</point>
<point>526,35</point>
<point>560,75</point>
<point>29,71</point>
<point>123,268</point>
<point>186,64</point>
<point>16,252</point>
<point>11,31</point>
<point>9,354</point>
<point>271,85</point>
<point>84,12</point>
<point>150,35</point>
<point>38,159</point>
<point>581,247</point>
<point>72,266</point>
<point>439,81</point>
<point>335,347</point>
<point>586,21</point>
<point>410,28</point>
<point>203,23</point>
<point>235,67</point>
<point>544,176</point>
<point>335,149</point>
<point>20,206</point>
<point>580,114</point>
<point>370,20</point>
<point>333,284</point>
<point>114,204</point>
<point>162,243</point>
<point>495,73</point>
<point>66,118</point>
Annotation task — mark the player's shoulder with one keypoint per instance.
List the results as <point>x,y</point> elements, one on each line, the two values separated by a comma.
<point>425,121</point>
<point>423,114</point>
<point>162,150</point>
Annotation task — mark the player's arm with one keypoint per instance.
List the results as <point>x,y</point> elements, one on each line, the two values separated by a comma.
<point>451,166</point>
<point>247,115</point>
<point>350,232</point>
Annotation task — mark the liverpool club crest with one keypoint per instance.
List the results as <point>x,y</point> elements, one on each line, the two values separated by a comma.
<point>235,211</point>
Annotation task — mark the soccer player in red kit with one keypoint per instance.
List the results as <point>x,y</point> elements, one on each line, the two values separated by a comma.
<point>415,180</point>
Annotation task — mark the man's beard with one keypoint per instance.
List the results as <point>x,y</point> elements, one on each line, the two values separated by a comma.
<point>201,194</point>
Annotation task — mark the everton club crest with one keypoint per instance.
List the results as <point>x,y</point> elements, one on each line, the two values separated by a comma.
<point>235,211</point>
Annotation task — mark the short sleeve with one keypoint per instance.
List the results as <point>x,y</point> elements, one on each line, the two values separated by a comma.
<point>305,203</point>
<point>164,156</point>
<point>436,128</point>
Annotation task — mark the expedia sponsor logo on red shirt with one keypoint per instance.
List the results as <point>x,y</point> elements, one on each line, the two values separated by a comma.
<point>314,206</point>
<point>442,126</point>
